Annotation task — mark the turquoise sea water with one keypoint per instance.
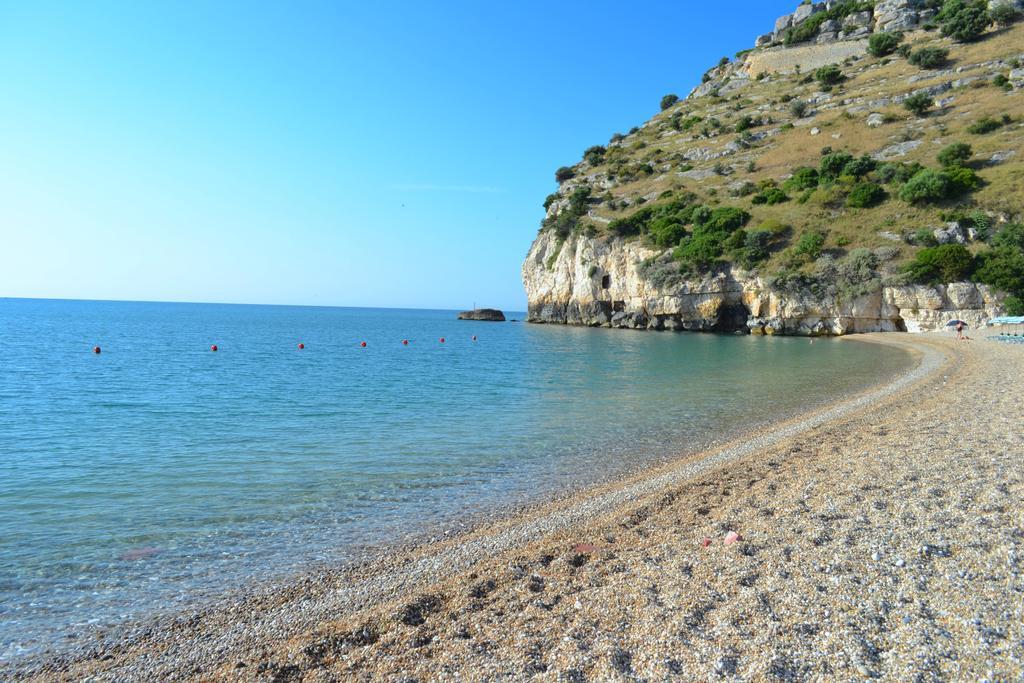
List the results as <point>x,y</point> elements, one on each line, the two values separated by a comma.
<point>159,471</point>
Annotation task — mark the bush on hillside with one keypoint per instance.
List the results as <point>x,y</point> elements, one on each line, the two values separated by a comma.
<point>832,165</point>
<point>897,173</point>
<point>865,195</point>
<point>962,180</point>
<point>1002,268</point>
<point>563,174</point>
<point>926,186</point>
<point>829,75</point>
<point>1005,13</point>
<point>668,100</point>
<point>594,155</point>
<point>918,104</point>
<point>929,57</point>
<point>754,248</point>
<point>964,20</point>
<point>770,196</point>
<point>956,154</point>
<point>984,125</point>
<point>808,29</point>
<point>798,108</point>
<point>809,245</point>
<point>860,167</point>
<point>803,178</point>
<point>1011,235</point>
<point>882,44</point>
<point>940,265</point>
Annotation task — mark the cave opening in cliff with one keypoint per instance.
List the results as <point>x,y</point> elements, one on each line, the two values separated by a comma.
<point>732,318</point>
<point>606,282</point>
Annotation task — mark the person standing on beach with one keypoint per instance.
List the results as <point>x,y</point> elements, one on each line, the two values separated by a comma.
<point>960,329</point>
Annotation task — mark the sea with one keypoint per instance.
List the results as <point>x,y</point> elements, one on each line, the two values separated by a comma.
<point>159,473</point>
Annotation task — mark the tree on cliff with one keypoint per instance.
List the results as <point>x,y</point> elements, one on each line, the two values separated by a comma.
<point>964,21</point>
<point>668,100</point>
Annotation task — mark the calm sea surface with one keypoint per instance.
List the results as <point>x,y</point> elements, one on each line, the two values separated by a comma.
<point>159,471</point>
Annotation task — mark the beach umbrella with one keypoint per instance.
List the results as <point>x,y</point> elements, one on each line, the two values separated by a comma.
<point>954,323</point>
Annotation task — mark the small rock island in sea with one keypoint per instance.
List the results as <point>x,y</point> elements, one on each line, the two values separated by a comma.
<point>491,314</point>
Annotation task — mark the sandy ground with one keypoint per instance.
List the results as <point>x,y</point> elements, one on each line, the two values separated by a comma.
<point>879,538</point>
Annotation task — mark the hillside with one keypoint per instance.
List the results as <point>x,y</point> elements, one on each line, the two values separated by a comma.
<point>862,154</point>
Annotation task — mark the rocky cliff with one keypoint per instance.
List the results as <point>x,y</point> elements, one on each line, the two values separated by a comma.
<point>736,143</point>
<point>601,283</point>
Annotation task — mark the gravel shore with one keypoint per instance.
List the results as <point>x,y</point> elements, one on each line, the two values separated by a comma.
<point>878,538</point>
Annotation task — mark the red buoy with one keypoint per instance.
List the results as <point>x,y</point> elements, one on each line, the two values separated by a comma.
<point>213,347</point>
<point>362,344</point>
<point>405,342</point>
<point>95,349</point>
<point>301,346</point>
<point>442,340</point>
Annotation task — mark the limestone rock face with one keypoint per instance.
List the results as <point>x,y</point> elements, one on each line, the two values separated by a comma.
<point>897,15</point>
<point>614,283</point>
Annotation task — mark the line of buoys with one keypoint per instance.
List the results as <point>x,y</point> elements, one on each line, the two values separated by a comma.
<point>214,347</point>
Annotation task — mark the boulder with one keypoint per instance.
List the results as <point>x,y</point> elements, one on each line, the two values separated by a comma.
<point>804,12</point>
<point>896,15</point>
<point>953,233</point>
<point>858,19</point>
<point>488,314</point>
<point>875,120</point>
<point>766,39</point>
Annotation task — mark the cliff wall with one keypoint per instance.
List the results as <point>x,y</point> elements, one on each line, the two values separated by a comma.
<point>599,282</point>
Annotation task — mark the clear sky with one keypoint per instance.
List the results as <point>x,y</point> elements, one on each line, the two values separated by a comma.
<point>334,153</point>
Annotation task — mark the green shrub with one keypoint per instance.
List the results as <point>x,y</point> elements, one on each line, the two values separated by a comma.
<point>809,245</point>
<point>926,186</point>
<point>962,180</point>
<point>896,172</point>
<point>666,231</point>
<point>940,265</point>
<point>829,75</point>
<point>563,174</point>
<point>860,167</point>
<point>798,108</point>
<point>725,219</point>
<point>956,154</point>
<point>746,123</point>
<point>984,125</point>
<point>964,20</point>
<point>549,200</point>
<point>594,155</point>
<point>1011,235</point>
<point>882,44</point>
<point>1001,81</point>
<point>1005,13</point>
<point>929,57</point>
<point>700,250</point>
<point>755,247</point>
<point>770,196</point>
<point>668,100</point>
<point>865,195</point>
<point>804,178</point>
<point>832,165</point>
<point>918,104</point>
<point>1002,268</point>
<point>1014,305</point>
<point>617,137</point>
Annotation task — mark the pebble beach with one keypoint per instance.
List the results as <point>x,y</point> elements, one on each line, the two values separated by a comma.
<point>877,538</point>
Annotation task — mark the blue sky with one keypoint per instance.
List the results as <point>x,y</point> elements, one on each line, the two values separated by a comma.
<point>372,154</point>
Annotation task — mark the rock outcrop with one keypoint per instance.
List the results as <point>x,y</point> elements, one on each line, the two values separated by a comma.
<point>602,282</point>
<point>486,314</point>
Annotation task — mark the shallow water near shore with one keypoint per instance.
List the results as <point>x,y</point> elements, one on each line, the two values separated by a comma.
<point>158,471</point>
